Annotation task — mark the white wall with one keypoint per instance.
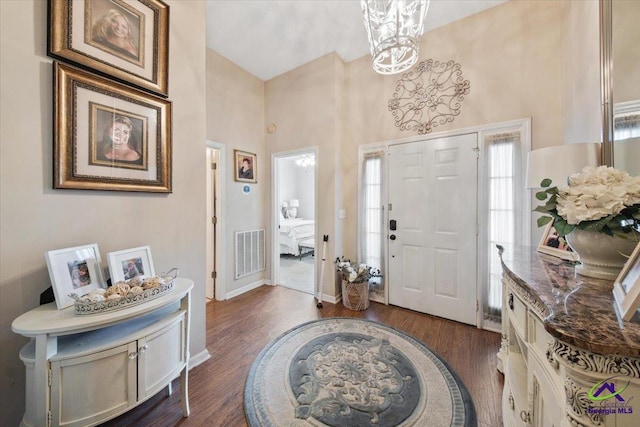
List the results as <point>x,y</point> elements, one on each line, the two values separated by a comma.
<point>235,118</point>
<point>626,55</point>
<point>304,176</point>
<point>34,218</point>
<point>288,181</point>
<point>305,105</point>
<point>296,182</point>
<point>580,74</point>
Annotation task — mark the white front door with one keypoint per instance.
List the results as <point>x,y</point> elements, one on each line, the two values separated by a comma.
<point>433,187</point>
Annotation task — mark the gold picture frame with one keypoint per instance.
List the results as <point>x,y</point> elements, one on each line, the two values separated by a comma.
<point>128,41</point>
<point>245,166</point>
<point>109,136</point>
<point>551,244</point>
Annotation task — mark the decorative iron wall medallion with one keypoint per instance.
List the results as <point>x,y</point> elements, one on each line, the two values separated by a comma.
<point>429,95</point>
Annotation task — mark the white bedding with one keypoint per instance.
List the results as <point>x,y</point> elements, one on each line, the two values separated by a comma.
<point>292,232</point>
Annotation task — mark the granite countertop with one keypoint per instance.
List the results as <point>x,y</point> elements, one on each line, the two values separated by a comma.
<point>578,310</point>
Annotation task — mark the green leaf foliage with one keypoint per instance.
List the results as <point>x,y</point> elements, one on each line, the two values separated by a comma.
<point>541,195</point>
<point>544,220</point>
<point>562,227</point>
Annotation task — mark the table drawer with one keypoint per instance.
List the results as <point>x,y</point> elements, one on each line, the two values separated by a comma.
<point>517,314</point>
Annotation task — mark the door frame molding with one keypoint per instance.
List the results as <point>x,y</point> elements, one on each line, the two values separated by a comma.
<point>221,235</point>
<point>275,210</point>
<point>524,125</point>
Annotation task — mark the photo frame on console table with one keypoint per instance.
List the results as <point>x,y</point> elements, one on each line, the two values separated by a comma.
<point>552,244</point>
<point>129,263</point>
<point>626,288</point>
<point>128,41</point>
<point>74,270</point>
<point>109,136</point>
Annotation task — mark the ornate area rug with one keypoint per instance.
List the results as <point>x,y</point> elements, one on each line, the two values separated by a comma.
<point>353,372</point>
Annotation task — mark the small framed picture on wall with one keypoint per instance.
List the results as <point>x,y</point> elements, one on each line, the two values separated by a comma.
<point>245,166</point>
<point>552,244</point>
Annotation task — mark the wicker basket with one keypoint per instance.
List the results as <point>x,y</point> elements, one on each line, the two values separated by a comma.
<point>355,296</point>
<point>82,308</point>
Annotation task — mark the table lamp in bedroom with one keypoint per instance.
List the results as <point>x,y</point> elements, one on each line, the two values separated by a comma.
<point>293,208</point>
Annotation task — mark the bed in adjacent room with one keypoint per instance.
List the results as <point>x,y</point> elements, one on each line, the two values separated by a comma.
<point>296,236</point>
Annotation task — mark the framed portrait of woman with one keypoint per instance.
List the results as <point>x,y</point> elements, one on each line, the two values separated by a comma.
<point>118,138</point>
<point>109,136</point>
<point>127,40</point>
<point>245,166</point>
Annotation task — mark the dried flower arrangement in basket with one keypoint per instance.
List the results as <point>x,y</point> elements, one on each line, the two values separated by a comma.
<point>355,283</point>
<point>355,272</point>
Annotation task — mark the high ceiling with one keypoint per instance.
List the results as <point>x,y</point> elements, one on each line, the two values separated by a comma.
<point>270,37</point>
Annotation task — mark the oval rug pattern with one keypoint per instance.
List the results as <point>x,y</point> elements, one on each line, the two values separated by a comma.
<point>353,372</point>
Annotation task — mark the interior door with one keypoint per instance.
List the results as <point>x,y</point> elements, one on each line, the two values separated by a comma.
<point>432,229</point>
<point>212,201</point>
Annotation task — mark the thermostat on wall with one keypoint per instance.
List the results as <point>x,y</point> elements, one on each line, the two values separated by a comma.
<point>246,189</point>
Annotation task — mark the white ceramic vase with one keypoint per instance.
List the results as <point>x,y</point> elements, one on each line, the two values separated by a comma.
<point>601,256</point>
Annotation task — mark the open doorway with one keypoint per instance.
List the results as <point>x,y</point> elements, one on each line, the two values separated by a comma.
<point>295,220</point>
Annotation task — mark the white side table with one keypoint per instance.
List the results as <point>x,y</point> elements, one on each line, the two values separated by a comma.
<point>86,369</point>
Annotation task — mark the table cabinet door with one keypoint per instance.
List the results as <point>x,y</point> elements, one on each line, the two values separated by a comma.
<point>547,409</point>
<point>161,357</point>
<point>511,409</point>
<point>90,388</point>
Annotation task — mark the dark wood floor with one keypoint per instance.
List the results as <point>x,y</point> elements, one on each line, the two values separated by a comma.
<point>239,328</point>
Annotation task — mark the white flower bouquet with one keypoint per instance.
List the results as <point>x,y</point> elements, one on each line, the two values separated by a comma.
<point>600,199</point>
<point>355,272</point>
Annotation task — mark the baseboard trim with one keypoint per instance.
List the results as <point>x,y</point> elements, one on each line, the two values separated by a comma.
<point>199,358</point>
<point>246,288</point>
<point>331,299</point>
<point>251,286</point>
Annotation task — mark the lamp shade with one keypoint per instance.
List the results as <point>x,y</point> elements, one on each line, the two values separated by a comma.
<point>560,161</point>
<point>294,203</point>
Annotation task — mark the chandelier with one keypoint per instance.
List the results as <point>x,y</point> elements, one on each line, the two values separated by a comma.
<point>393,28</point>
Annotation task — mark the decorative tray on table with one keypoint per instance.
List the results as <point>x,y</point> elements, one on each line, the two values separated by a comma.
<point>123,294</point>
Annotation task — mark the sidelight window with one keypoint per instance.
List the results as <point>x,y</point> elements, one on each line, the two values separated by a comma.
<point>504,210</point>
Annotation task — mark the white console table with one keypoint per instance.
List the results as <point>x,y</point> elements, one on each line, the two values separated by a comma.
<point>85,369</point>
<point>568,361</point>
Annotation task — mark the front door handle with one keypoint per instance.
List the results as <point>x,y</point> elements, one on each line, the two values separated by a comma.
<point>392,237</point>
